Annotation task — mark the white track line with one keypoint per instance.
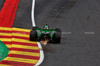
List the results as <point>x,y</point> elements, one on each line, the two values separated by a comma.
<point>41,55</point>
<point>39,45</point>
<point>32,13</point>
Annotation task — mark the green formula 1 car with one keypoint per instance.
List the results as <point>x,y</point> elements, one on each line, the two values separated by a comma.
<point>38,34</point>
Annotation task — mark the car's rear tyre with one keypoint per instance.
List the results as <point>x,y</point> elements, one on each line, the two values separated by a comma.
<point>34,28</point>
<point>58,30</point>
<point>57,36</point>
<point>33,35</point>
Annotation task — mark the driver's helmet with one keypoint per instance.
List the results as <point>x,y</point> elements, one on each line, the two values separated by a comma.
<point>46,27</point>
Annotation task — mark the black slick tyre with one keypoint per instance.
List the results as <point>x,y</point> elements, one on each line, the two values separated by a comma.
<point>33,35</point>
<point>58,30</point>
<point>57,36</point>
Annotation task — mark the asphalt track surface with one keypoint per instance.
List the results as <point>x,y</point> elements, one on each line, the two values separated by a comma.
<point>79,21</point>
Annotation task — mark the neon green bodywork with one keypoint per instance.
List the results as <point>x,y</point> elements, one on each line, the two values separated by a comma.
<point>46,26</point>
<point>45,30</point>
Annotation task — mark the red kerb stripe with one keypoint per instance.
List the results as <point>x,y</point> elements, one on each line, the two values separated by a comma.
<point>5,42</point>
<point>21,32</point>
<point>5,31</point>
<point>5,36</point>
<point>16,63</point>
<point>18,37</point>
<point>24,56</point>
<point>25,50</point>
<point>23,43</point>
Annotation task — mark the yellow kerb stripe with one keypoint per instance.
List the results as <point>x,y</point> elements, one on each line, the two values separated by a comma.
<point>19,29</point>
<point>25,53</point>
<point>25,41</point>
<point>6,39</point>
<point>25,47</point>
<point>9,46</point>
<point>6,34</point>
<point>21,35</point>
<point>4,28</point>
<point>5,65</point>
<point>21,60</point>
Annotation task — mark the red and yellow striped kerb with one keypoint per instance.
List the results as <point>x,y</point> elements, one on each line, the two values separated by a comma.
<point>22,52</point>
